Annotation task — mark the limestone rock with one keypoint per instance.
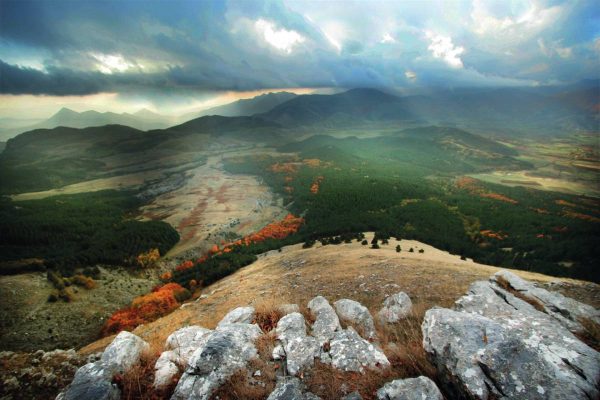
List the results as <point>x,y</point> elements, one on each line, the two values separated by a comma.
<point>299,349</point>
<point>566,310</point>
<point>410,389</point>
<point>496,345</point>
<point>291,326</point>
<point>185,337</point>
<point>124,352</point>
<point>243,315</point>
<point>326,320</point>
<point>350,352</point>
<point>165,369</point>
<point>225,350</point>
<point>357,315</point>
<point>453,339</point>
<point>181,344</point>
<point>395,308</point>
<point>300,353</point>
<point>291,389</point>
<point>92,382</point>
<point>352,396</point>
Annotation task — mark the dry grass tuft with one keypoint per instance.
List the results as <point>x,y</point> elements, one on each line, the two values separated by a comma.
<point>267,316</point>
<point>244,385</point>
<point>137,383</point>
<point>328,382</point>
<point>504,284</point>
<point>591,335</point>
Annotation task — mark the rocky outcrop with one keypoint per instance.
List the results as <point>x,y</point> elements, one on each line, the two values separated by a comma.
<point>94,380</point>
<point>240,315</point>
<point>410,389</point>
<point>299,349</point>
<point>350,352</point>
<point>291,389</point>
<point>344,349</point>
<point>496,345</point>
<point>356,315</point>
<point>326,320</point>
<point>565,310</point>
<point>224,351</point>
<point>395,308</point>
<point>180,346</point>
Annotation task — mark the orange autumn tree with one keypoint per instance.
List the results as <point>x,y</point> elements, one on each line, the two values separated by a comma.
<point>146,308</point>
<point>147,259</point>
<point>276,230</point>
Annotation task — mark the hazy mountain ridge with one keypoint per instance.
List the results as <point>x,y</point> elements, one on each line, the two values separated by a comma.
<point>530,111</point>
<point>143,119</point>
<point>244,107</point>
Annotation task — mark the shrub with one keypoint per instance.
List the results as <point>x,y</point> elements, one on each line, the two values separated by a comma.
<point>83,281</point>
<point>161,301</point>
<point>55,279</point>
<point>364,242</point>
<point>65,295</point>
<point>398,249</point>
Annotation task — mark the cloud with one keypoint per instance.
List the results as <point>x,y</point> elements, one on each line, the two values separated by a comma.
<point>24,80</point>
<point>281,39</point>
<point>387,38</point>
<point>185,48</point>
<point>442,47</point>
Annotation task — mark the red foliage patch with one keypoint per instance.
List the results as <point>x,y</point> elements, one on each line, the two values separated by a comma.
<point>144,309</point>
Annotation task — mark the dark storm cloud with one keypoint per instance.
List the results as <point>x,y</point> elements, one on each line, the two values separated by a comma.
<point>17,80</point>
<point>83,47</point>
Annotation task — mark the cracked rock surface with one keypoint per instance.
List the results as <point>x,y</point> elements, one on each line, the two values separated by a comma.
<point>93,381</point>
<point>496,345</point>
<point>410,389</point>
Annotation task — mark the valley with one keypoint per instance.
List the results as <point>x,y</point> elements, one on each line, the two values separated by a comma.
<point>228,188</point>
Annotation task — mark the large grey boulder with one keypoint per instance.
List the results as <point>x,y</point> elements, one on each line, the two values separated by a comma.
<point>291,326</point>
<point>300,353</point>
<point>291,389</point>
<point>356,315</point>
<point>495,345</point>
<point>421,388</point>
<point>94,380</point>
<point>453,339</point>
<point>124,352</point>
<point>326,320</point>
<point>567,311</point>
<point>225,350</point>
<point>299,349</point>
<point>240,315</point>
<point>165,369</point>
<point>350,352</point>
<point>395,308</point>
<point>180,346</point>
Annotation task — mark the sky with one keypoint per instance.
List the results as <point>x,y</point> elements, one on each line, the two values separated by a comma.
<point>174,56</point>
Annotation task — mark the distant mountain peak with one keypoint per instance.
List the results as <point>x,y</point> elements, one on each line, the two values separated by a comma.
<point>145,113</point>
<point>65,111</point>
